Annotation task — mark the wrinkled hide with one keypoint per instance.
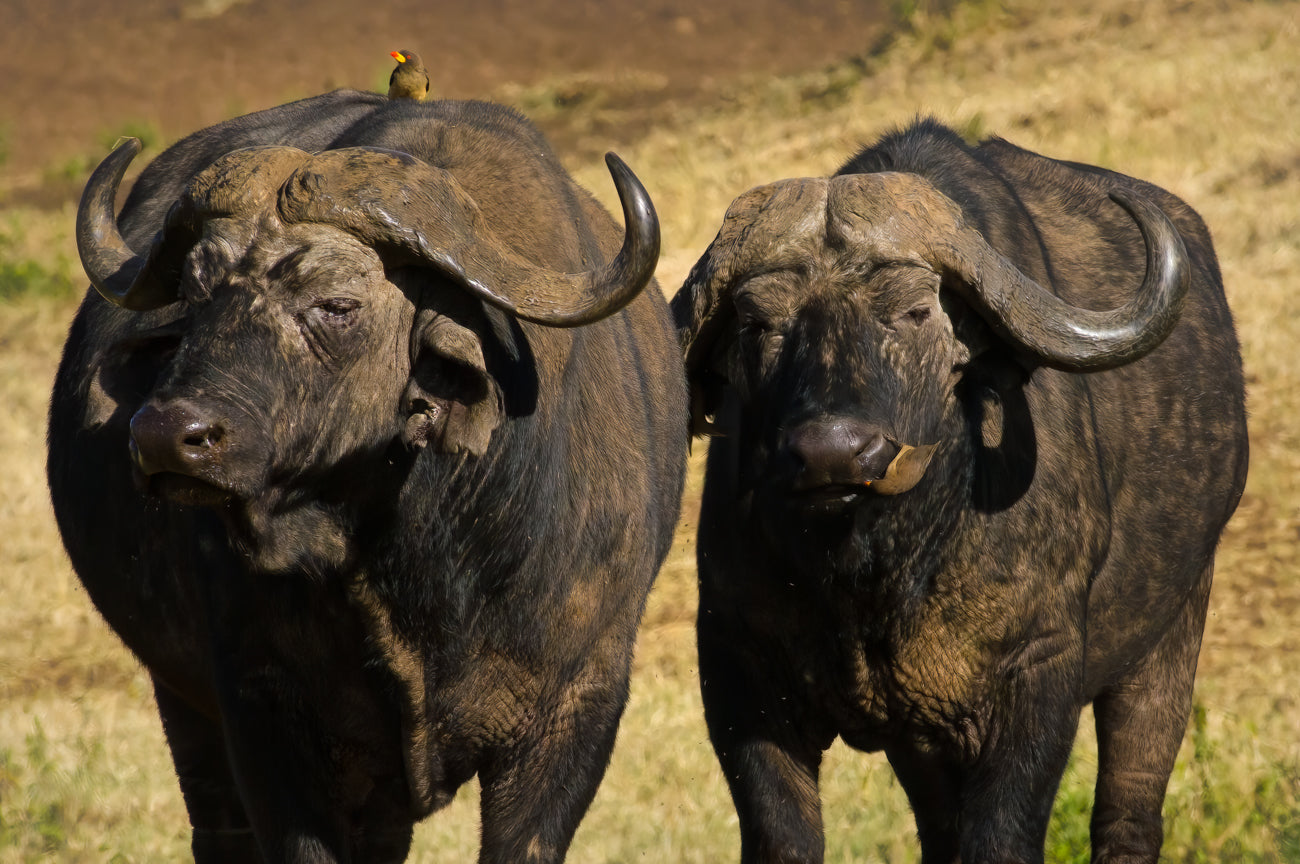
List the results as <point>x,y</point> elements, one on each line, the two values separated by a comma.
<point>978,423</point>
<point>369,443</point>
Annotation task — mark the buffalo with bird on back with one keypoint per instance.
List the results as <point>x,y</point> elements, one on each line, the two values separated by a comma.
<point>978,422</point>
<point>369,444</point>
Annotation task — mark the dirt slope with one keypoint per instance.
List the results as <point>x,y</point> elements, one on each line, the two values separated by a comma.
<point>73,72</point>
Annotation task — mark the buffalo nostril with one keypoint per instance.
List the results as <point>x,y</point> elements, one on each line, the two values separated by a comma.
<point>204,437</point>
<point>176,438</point>
<point>839,451</point>
<point>874,457</point>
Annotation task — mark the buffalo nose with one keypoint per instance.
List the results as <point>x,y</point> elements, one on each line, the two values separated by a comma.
<point>176,438</point>
<point>837,451</point>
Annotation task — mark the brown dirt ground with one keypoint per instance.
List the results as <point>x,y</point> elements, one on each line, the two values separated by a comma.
<point>76,72</point>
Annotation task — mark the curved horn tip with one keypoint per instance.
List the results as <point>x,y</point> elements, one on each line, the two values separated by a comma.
<point>124,151</point>
<point>624,176</point>
<point>1125,199</point>
<point>1150,217</point>
<point>1165,247</point>
<point>106,258</point>
<point>616,165</point>
<point>129,142</point>
<point>1146,213</point>
<point>114,165</point>
<point>637,205</point>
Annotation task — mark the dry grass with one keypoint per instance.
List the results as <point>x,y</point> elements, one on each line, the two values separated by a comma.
<point>1201,98</point>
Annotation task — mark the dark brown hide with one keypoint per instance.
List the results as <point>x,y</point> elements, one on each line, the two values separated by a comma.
<point>372,529</point>
<point>1067,374</point>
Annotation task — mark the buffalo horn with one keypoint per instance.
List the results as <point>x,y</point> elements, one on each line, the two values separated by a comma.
<point>1069,337</point>
<point>241,182</point>
<point>120,275</point>
<point>396,201</point>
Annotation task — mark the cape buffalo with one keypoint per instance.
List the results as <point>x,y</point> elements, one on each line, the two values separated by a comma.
<point>370,455</point>
<point>979,419</point>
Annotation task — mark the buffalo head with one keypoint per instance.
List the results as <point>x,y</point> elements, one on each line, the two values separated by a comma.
<point>315,309</point>
<point>828,327</point>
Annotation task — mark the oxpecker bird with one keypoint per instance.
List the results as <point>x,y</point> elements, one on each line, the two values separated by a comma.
<point>410,80</point>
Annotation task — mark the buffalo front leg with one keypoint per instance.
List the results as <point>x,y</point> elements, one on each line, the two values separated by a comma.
<point>1140,726</point>
<point>1008,789</point>
<point>219,826</point>
<point>934,792</point>
<point>770,762</point>
<point>279,767</point>
<point>536,790</point>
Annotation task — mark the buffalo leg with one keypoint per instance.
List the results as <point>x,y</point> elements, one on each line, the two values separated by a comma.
<point>771,765</point>
<point>536,791</point>
<point>219,825</point>
<point>1008,790</point>
<point>292,794</point>
<point>1140,726</point>
<point>934,794</point>
<point>278,766</point>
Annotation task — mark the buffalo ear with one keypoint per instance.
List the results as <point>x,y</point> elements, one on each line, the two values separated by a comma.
<point>702,313</point>
<point>757,232</point>
<point>451,401</point>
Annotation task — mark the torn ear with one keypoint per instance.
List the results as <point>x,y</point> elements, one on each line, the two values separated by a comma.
<point>126,371</point>
<point>450,401</point>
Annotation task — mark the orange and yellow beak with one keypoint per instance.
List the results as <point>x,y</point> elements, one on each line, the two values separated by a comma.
<point>398,56</point>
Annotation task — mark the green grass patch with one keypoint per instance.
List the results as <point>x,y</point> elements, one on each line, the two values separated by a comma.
<point>43,800</point>
<point>72,169</point>
<point>24,273</point>
<point>80,799</point>
<point>1228,799</point>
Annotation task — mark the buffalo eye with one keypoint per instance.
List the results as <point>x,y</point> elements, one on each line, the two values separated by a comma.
<point>915,316</point>
<point>905,296</point>
<point>761,323</point>
<point>761,333</point>
<point>754,324</point>
<point>338,311</point>
<point>919,315</point>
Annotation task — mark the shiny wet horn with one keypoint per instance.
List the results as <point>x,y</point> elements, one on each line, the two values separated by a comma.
<point>1069,337</point>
